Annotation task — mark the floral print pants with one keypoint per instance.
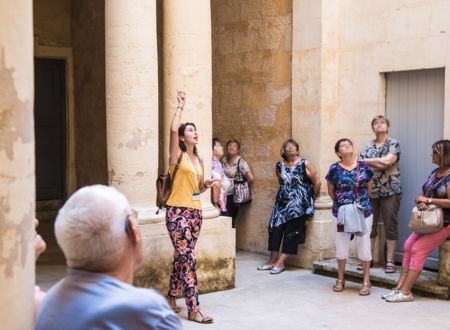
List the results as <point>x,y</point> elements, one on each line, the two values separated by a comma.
<point>184,226</point>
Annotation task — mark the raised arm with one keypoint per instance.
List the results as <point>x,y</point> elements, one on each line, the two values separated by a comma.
<point>312,175</point>
<point>174,150</point>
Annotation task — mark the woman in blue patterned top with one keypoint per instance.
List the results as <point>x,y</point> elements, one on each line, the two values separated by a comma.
<point>293,205</point>
<point>343,190</point>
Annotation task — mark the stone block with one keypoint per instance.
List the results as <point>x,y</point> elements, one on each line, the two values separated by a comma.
<point>444,264</point>
<point>215,252</point>
<point>319,243</point>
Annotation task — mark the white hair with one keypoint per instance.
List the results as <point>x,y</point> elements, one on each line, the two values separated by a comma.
<point>90,227</point>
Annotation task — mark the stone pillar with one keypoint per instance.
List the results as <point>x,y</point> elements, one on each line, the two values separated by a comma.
<point>187,67</point>
<point>444,264</point>
<point>315,60</point>
<point>17,181</point>
<point>132,102</point>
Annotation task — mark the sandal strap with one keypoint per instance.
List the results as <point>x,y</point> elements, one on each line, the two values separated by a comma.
<point>204,319</point>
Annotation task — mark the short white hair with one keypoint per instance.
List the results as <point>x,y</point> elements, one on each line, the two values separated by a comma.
<point>90,227</point>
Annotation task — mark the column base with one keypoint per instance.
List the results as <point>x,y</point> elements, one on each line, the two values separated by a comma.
<point>444,264</point>
<point>215,252</point>
<point>209,211</point>
<point>319,243</point>
<point>150,215</point>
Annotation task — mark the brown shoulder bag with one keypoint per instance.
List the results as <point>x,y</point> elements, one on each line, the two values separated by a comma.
<point>164,186</point>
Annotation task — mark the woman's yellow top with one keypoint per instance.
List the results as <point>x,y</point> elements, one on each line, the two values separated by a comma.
<point>186,186</point>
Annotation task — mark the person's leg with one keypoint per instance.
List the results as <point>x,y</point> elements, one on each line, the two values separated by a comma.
<point>422,247</point>
<point>274,243</point>
<point>407,246</point>
<point>189,275</point>
<point>192,232</point>
<point>376,217</point>
<point>342,242</point>
<point>389,210</point>
<point>293,233</point>
<point>175,230</point>
<point>364,250</point>
<point>232,210</point>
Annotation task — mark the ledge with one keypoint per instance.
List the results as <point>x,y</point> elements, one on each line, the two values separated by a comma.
<point>426,285</point>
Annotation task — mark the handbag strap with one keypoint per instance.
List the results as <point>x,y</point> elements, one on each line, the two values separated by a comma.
<point>435,185</point>
<point>177,166</point>
<point>238,171</point>
<point>356,182</point>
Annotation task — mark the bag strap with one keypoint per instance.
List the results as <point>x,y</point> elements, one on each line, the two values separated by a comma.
<point>238,170</point>
<point>177,166</point>
<point>436,185</point>
<point>356,182</point>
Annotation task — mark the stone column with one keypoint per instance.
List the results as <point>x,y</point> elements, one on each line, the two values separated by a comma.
<point>444,264</point>
<point>187,67</point>
<point>315,66</point>
<point>132,102</point>
<point>17,180</point>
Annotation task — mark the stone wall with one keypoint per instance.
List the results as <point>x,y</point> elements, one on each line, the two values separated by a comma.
<point>88,38</point>
<point>252,97</point>
<point>51,20</point>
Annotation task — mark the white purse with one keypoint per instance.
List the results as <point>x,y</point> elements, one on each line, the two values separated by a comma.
<point>428,221</point>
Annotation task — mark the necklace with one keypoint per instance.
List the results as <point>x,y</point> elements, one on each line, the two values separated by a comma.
<point>444,173</point>
<point>291,164</point>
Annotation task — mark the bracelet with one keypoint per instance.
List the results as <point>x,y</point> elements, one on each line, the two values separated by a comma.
<point>180,108</point>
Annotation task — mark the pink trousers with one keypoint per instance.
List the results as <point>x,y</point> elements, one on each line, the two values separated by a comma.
<point>418,246</point>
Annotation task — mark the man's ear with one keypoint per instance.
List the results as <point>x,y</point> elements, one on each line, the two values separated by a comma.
<point>135,233</point>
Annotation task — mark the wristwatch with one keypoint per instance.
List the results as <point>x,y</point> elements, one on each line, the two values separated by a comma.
<point>429,200</point>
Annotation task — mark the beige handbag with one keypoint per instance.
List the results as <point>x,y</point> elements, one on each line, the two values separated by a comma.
<point>428,221</point>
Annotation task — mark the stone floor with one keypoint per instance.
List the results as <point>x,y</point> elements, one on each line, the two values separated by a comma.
<point>299,299</point>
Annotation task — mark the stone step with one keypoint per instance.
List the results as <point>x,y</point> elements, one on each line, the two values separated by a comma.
<point>426,285</point>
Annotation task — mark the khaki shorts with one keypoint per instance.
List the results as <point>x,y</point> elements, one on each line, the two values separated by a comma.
<point>386,209</point>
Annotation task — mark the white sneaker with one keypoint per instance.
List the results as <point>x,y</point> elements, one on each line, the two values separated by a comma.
<point>401,297</point>
<point>391,293</point>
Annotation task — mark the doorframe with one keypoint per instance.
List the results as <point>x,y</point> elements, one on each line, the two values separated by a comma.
<point>65,53</point>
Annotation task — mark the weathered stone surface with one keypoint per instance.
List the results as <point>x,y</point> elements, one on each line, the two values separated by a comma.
<point>88,42</point>
<point>215,253</point>
<point>427,283</point>
<point>444,264</point>
<point>17,178</point>
<point>252,97</point>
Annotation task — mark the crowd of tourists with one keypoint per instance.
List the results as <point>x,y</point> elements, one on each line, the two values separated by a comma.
<point>98,231</point>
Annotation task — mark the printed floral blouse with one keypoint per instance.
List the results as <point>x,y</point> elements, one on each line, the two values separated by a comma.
<point>344,182</point>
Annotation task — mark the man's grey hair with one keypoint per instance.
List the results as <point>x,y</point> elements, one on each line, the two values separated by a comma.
<point>90,227</point>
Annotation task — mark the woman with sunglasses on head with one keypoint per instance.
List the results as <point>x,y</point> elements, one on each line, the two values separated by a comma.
<point>184,211</point>
<point>435,191</point>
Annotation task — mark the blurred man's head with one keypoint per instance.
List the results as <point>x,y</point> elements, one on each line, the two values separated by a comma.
<point>97,230</point>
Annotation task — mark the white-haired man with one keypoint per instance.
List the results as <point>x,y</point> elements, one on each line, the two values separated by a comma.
<point>98,233</point>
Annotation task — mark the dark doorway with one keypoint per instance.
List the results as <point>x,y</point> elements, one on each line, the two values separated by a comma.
<point>50,148</point>
<point>50,128</point>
